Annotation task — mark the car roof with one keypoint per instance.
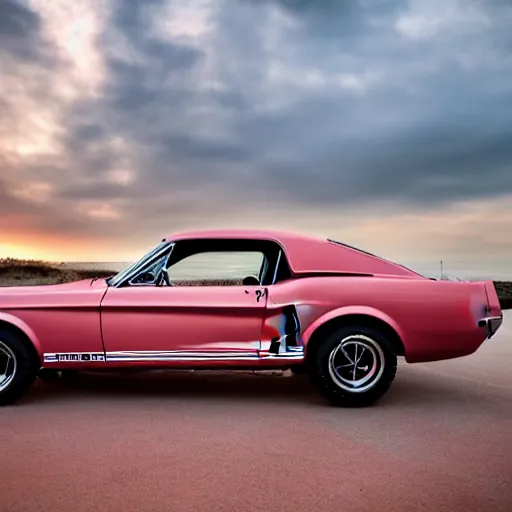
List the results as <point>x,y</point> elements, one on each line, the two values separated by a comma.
<point>247,234</point>
<point>306,253</point>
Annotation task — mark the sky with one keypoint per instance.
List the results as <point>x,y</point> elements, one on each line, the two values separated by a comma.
<point>382,123</point>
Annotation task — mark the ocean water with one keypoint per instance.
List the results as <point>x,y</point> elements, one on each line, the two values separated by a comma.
<point>200,266</point>
<point>236,265</point>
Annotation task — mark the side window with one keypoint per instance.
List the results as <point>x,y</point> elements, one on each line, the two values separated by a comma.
<point>225,268</point>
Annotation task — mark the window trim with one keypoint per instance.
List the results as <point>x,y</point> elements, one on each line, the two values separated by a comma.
<point>126,276</point>
<point>145,267</point>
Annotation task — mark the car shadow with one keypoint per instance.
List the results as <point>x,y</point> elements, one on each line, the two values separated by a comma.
<point>411,388</point>
<point>445,394</point>
<point>172,385</point>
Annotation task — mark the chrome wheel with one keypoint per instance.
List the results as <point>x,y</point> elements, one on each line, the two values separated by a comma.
<point>357,363</point>
<point>8,366</point>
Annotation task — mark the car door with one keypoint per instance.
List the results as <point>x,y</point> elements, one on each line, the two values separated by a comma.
<point>182,323</point>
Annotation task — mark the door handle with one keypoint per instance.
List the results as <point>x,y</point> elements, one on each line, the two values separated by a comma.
<point>259,293</point>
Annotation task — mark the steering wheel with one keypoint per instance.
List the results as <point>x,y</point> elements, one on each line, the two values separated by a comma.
<point>251,281</point>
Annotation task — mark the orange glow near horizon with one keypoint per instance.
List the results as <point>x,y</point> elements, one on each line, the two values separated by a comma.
<point>46,252</point>
<point>55,248</point>
<point>449,233</point>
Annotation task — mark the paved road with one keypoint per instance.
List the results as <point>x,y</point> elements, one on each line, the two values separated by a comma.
<point>441,440</point>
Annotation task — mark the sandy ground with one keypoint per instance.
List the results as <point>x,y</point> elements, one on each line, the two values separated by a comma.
<point>441,440</point>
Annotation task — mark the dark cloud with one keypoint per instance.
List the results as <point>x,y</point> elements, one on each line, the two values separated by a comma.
<point>19,30</point>
<point>330,103</point>
<point>327,19</point>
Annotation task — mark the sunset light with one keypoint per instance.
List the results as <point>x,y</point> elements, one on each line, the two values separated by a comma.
<point>255,255</point>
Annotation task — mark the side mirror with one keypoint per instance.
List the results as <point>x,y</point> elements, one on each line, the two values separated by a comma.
<point>251,281</point>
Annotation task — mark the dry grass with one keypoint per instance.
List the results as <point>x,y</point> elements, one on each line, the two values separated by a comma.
<point>504,289</point>
<point>14,272</point>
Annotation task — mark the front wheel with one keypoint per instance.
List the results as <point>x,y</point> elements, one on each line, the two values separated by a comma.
<point>354,366</point>
<point>18,367</point>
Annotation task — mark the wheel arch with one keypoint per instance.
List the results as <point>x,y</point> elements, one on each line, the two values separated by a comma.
<point>314,334</point>
<point>20,328</point>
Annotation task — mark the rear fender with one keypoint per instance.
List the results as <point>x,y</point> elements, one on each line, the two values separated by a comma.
<point>22,326</point>
<point>353,310</point>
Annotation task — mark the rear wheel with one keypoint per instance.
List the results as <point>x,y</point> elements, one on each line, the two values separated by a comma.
<point>354,366</point>
<point>18,367</point>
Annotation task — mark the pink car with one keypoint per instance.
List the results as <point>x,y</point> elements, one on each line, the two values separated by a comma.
<point>313,305</point>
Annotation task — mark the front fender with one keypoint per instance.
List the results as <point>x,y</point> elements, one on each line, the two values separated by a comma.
<point>22,326</point>
<point>353,310</point>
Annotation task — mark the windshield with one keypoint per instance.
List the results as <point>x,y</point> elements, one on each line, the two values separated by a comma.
<point>115,280</point>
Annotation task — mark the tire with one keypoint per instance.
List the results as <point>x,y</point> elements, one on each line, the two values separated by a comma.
<point>18,367</point>
<point>332,366</point>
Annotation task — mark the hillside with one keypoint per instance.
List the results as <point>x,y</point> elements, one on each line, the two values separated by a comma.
<point>15,272</point>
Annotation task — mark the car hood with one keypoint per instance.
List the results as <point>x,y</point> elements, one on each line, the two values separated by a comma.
<point>85,292</point>
<point>48,288</point>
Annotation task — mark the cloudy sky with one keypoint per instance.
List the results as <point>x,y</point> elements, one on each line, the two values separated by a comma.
<point>383,123</point>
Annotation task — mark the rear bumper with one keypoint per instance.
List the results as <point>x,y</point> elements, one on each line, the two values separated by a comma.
<point>492,323</point>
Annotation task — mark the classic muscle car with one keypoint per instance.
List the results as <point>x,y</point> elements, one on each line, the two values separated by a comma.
<point>308,304</point>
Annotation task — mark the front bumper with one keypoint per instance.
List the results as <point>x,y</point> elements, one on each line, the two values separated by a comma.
<point>492,323</point>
